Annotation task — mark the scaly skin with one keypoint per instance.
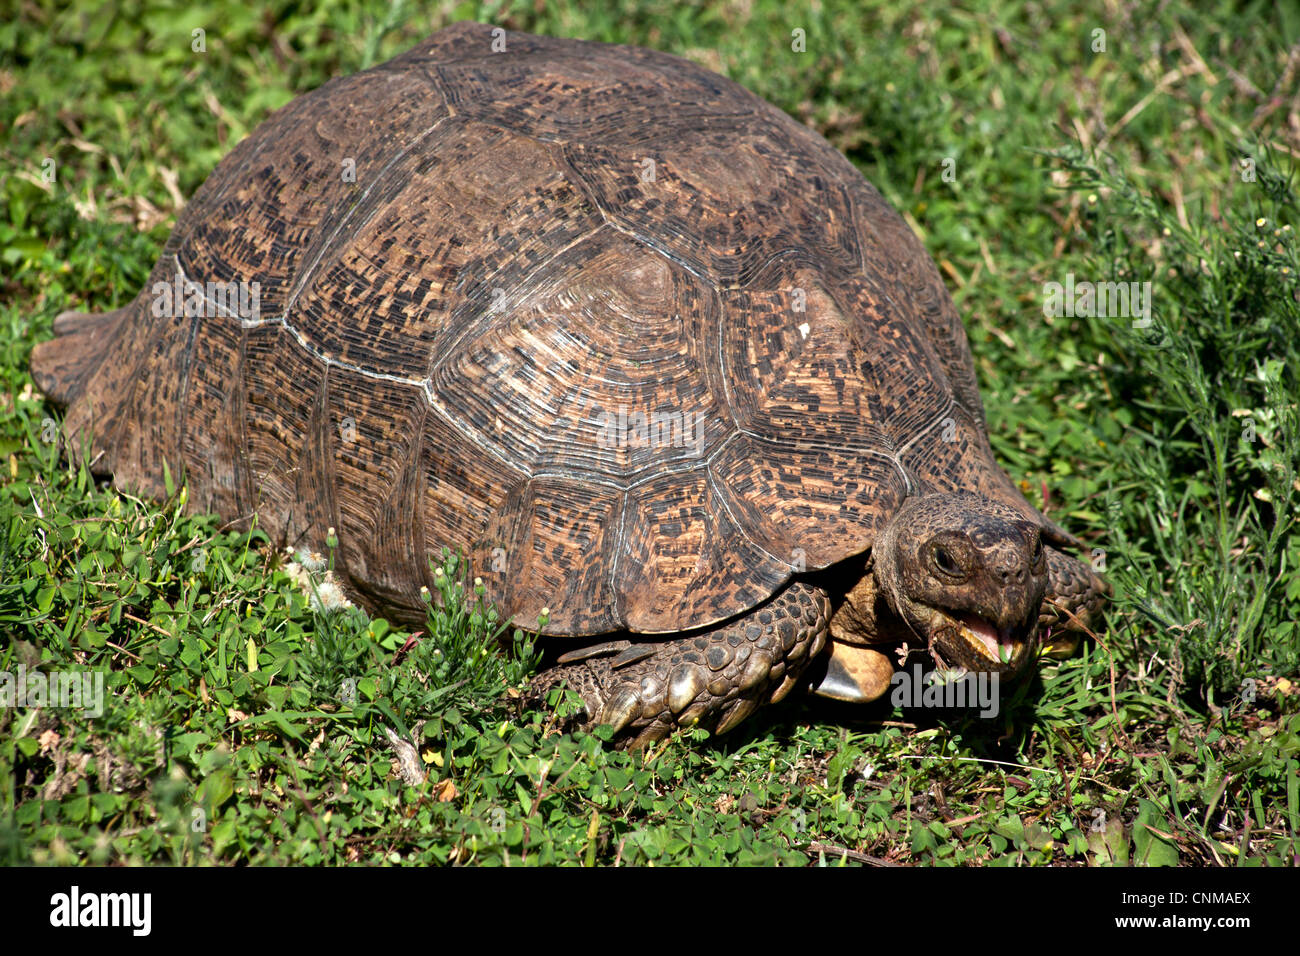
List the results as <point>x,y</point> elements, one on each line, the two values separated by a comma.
<point>715,678</point>
<point>1075,596</point>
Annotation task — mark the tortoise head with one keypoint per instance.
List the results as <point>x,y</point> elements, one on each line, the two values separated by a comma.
<point>967,574</point>
<point>960,572</point>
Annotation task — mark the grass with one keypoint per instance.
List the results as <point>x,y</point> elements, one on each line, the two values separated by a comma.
<point>245,723</point>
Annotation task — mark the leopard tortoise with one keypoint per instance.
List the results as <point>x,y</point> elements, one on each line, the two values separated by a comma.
<point>652,353</point>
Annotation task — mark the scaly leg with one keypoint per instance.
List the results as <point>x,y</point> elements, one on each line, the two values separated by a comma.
<point>715,678</point>
<point>1071,587</point>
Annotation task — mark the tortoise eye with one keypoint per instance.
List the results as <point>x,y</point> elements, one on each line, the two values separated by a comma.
<point>945,562</point>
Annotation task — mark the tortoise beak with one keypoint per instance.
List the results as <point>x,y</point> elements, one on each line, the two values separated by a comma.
<point>975,644</point>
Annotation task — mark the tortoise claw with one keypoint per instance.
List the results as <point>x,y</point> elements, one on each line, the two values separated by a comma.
<point>632,654</point>
<point>684,686</point>
<point>620,711</point>
<point>595,650</point>
<point>714,679</point>
<point>738,712</point>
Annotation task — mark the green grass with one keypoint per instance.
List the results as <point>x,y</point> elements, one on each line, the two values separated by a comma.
<point>243,726</point>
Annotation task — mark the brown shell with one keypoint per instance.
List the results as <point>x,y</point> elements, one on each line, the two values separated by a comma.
<point>536,238</point>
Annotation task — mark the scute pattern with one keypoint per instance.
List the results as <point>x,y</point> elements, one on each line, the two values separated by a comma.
<point>277,205</point>
<point>613,330</point>
<point>219,479</point>
<point>892,255</point>
<point>566,544</point>
<point>377,473</point>
<point>684,555</point>
<point>711,206</point>
<point>569,99</point>
<point>793,366</point>
<point>801,504</point>
<point>288,438</point>
<point>540,244</point>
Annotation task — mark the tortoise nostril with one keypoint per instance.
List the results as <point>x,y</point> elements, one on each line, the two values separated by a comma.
<point>1011,572</point>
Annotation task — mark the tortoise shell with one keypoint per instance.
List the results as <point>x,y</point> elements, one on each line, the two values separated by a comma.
<point>640,344</point>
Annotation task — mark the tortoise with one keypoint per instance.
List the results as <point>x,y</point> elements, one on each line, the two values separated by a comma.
<point>676,379</point>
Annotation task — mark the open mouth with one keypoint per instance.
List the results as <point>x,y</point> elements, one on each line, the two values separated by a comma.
<point>973,643</point>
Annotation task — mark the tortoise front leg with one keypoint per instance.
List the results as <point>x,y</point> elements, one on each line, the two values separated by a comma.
<point>714,678</point>
<point>1073,601</point>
